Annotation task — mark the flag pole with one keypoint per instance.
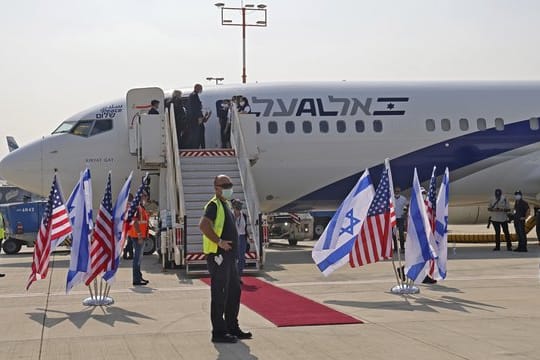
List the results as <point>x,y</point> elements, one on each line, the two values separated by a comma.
<point>391,185</point>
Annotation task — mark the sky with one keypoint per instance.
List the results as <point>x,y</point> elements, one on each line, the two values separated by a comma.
<point>59,57</point>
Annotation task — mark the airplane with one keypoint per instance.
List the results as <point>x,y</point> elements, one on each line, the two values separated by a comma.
<point>315,139</point>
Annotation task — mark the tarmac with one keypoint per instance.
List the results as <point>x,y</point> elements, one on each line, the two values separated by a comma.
<point>487,308</point>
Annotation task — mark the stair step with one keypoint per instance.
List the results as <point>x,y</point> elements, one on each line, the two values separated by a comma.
<point>209,167</point>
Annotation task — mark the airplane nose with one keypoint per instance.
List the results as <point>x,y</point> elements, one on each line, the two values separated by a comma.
<point>23,168</point>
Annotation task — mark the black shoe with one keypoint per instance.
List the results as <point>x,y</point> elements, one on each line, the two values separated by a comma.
<point>140,283</point>
<point>2,275</point>
<point>225,338</point>
<point>145,281</point>
<point>520,250</point>
<point>428,280</point>
<point>241,334</point>
<point>496,249</point>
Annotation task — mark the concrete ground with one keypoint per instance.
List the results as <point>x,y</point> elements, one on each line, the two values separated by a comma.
<point>488,308</point>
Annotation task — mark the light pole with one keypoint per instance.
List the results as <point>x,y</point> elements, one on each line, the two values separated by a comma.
<point>216,79</point>
<point>260,10</point>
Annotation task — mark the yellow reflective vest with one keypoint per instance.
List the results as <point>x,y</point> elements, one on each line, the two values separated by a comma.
<point>2,232</point>
<point>210,247</point>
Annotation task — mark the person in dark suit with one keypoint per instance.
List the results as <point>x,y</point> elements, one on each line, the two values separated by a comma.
<point>195,119</point>
<point>222,107</point>
<point>179,118</point>
<point>154,109</point>
<point>521,213</point>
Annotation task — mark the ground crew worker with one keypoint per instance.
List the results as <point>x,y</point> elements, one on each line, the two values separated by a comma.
<point>521,213</point>
<point>220,242</point>
<point>498,207</point>
<point>137,234</point>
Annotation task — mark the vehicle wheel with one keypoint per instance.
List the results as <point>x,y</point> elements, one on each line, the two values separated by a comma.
<point>11,246</point>
<point>293,242</point>
<point>319,224</point>
<point>149,245</point>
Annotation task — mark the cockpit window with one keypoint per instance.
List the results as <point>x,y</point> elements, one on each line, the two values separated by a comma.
<point>101,126</point>
<point>64,127</point>
<point>82,128</point>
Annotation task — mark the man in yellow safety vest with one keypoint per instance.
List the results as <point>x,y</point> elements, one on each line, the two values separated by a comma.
<point>220,243</point>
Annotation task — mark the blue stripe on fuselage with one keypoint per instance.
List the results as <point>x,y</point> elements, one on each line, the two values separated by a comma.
<point>460,152</point>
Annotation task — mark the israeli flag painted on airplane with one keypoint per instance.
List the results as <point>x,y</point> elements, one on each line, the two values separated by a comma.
<point>441,227</point>
<point>79,207</point>
<point>333,247</point>
<point>418,248</point>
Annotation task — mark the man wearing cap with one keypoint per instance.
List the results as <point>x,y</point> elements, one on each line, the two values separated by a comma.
<point>220,243</point>
<point>521,212</point>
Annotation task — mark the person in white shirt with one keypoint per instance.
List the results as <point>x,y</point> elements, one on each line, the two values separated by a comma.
<point>401,203</point>
<point>240,219</point>
<point>498,209</point>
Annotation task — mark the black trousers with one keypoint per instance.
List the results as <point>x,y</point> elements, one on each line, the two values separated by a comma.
<point>225,294</point>
<point>497,227</point>
<point>520,231</point>
<point>400,224</point>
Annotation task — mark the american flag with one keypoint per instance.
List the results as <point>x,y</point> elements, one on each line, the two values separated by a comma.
<point>133,207</point>
<point>54,224</point>
<point>374,242</point>
<point>103,251</point>
<point>431,200</point>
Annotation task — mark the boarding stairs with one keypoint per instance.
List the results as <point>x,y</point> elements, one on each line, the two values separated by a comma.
<point>186,180</point>
<point>199,168</point>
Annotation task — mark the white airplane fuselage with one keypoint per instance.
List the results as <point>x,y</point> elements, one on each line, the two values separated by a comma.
<point>315,139</point>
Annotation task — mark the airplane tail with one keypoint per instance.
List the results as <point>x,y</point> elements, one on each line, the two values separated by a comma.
<point>12,144</point>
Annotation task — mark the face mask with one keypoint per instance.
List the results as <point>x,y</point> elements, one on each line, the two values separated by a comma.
<point>227,193</point>
<point>242,103</point>
<point>518,197</point>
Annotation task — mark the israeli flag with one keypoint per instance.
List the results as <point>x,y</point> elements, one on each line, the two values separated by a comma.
<point>333,247</point>
<point>79,206</point>
<point>418,248</point>
<point>441,227</point>
<point>119,214</point>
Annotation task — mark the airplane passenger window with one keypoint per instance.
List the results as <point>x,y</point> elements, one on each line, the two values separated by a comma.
<point>323,126</point>
<point>341,126</point>
<point>377,125</point>
<point>82,128</point>
<point>258,126</point>
<point>430,125</point>
<point>289,127</point>
<point>64,127</point>
<point>360,127</point>
<point>101,126</point>
<point>464,124</point>
<point>272,127</point>
<point>481,124</point>
<point>306,126</point>
<point>445,124</point>
<point>533,123</point>
<point>499,124</point>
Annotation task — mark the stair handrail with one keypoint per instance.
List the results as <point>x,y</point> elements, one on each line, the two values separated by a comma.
<point>176,165</point>
<point>238,143</point>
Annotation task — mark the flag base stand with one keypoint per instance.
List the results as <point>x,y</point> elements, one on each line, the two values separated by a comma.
<point>405,289</point>
<point>98,301</point>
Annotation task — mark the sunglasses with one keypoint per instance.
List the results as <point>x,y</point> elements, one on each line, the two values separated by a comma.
<point>225,186</point>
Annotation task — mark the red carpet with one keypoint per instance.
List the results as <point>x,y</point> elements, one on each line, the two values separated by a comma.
<point>285,308</point>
